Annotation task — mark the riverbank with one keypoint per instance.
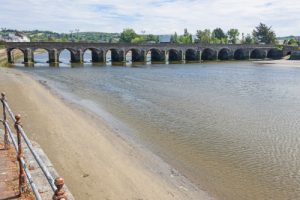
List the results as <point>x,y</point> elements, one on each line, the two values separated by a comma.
<point>96,162</point>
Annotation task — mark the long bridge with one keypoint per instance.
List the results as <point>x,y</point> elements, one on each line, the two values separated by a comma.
<point>157,52</point>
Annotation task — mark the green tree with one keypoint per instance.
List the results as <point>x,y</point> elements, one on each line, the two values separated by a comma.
<point>152,37</point>
<point>186,38</point>
<point>127,35</point>
<point>174,38</point>
<point>233,35</point>
<point>204,36</point>
<point>248,39</point>
<point>264,34</point>
<point>218,33</point>
<point>293,42</point>
<point>138,39</point>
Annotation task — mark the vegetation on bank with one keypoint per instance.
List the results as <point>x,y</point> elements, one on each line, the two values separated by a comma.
<point>260,34</point>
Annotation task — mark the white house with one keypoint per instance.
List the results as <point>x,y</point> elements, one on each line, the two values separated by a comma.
<point>15,37</point>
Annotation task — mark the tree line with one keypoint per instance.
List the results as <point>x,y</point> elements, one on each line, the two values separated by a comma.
<point>261,34</point>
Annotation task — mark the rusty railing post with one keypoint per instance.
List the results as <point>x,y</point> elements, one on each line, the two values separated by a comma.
<point>22,177</point>
<point>6,141</point>
<point>60,193</point>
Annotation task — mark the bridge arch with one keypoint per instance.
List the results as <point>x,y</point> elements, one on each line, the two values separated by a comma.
<point>66,55</point>
<point>156,55</point>
<point>208,54</point>
<point>240,54</point>
<point>136,55</point>
<point>175,55</point>
<point>274,54</point>
<point>191,55</point>
<point>257,54</point>
<point>92,55</point>
<point>114,55</point>
<point>41,55</point>
<point>224,54</point>
<point>16,55</point>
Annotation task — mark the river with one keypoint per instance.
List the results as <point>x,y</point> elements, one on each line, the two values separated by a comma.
<point>232,128</point>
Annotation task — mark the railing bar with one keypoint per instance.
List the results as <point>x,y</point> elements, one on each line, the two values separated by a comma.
<point>57,185</point>
<point>11,114</point>
<point>38,160</point>
<point>30,180</point>
<point>11,136</point>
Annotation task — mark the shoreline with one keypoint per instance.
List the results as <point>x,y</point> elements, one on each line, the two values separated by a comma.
<point>111,167</point>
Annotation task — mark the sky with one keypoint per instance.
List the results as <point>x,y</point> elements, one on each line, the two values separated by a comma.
<point>151,16</point>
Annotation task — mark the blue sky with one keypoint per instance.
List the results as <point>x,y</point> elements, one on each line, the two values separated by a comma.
<point>151,16</point>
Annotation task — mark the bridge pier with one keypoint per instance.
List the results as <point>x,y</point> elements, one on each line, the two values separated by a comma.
<point>53,56</point>
<point>200,55</point>
<point>217,55</point>
<point>183,56</point>
<point>265,54</point>
<point>77,57</point>
<point>98,57</point>
<point>231,55</point>
<point>10,56</point>
<point>28,56</point>
<point>145,53</point>
<point>124,56</point>
<point>166,56</point>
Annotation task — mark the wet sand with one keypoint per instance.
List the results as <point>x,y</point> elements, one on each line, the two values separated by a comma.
<point>96,162</point>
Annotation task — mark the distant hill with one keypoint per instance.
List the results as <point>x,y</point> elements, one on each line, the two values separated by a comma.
<point>45,36</point>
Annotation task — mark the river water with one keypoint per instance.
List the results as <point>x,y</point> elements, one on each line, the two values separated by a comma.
<point>232,128</point>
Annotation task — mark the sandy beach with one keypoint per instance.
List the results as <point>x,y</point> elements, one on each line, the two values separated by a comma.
<point>96,162</point>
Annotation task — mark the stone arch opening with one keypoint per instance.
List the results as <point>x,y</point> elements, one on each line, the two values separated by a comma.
<point>224,54</point>
<point>16,55</point>
<point>41,55</point>
<point>156,55</point>
<point>239,54</point>
<point>66,56</point>
<point>191,55</point>
<point>134,55</point>
<point>91,55</point>
<point>175,55</point>
<point>257,54</point>
<point>114,55</point>
<point>208,54</point>
<point>274,54</point>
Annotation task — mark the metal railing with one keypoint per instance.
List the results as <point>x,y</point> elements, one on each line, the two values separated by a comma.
<point>55,184</point>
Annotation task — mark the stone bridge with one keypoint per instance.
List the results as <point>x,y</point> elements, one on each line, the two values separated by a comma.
<point>139,52</point>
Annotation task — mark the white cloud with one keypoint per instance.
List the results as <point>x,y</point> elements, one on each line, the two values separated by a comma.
<point>153,16</point>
